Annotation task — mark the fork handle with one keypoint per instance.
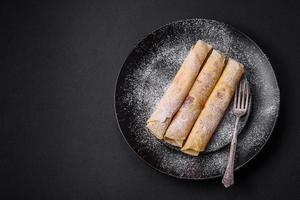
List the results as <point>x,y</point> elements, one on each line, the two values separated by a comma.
<point>228,178</point>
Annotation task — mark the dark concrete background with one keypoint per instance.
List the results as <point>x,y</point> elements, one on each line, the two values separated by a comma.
<point>59,63</point>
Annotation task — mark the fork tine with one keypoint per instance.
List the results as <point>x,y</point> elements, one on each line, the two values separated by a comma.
<point>247,97</point>
<point>240,95</point>
<point>243,95</point>
<point>250,100</point>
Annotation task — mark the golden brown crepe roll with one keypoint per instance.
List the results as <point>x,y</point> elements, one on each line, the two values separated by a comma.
<point>188,113</point>
<point>214,109</point>
<point>178,89</point>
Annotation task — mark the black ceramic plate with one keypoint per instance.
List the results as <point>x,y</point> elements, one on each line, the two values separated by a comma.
<point>150,67</point>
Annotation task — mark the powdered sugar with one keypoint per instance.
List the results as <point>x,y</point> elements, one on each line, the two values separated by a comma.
<point>151,70</point>
<point>148,83</point>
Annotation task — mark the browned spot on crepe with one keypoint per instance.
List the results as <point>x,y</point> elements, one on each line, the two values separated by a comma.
<point>220,95</point>
<point>199,81</point>
<point>216,63</point>
<point>188,100</point>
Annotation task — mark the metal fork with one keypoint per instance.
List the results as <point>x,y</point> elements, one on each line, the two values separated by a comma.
<point>241,105</point>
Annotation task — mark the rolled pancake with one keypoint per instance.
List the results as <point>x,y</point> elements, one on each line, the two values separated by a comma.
<point>188,113</point>
<point>214,109</point>
<point>178,89</point>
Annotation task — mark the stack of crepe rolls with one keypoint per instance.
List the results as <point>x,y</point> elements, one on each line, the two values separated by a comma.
<point>196,100</point>
<point>214,109</point>
<point>188,113</point>
<point>178,89</point>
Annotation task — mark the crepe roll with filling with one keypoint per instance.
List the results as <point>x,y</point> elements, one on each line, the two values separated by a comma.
<point>178,89</point>
<point>214,109</point>
<point>188,113</point>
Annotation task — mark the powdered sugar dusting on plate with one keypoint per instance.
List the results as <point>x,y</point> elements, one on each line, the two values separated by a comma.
<point>151,67</point>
